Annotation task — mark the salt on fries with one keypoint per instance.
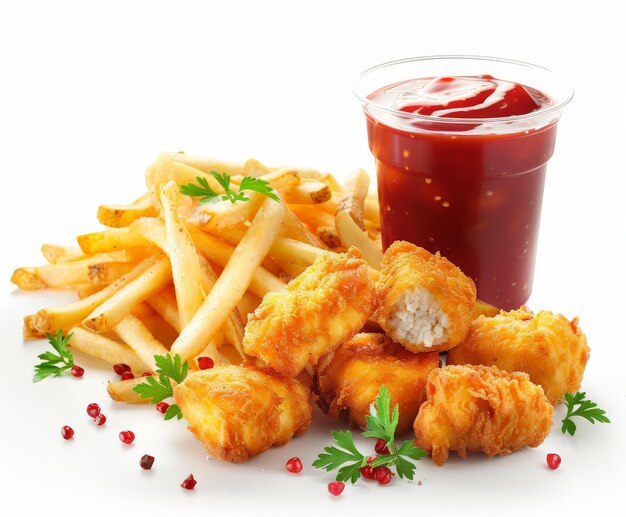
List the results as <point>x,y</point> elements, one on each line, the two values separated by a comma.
<point>169,273</point>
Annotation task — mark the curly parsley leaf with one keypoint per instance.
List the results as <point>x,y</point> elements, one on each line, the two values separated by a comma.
<point>258,185</point>
<point>54,364</point>
<point>202,190</point>
<point>381,423</point>
<point>586,409</point>
<point>169,368</point>
<point>208,195</point>
<point>346,452</point>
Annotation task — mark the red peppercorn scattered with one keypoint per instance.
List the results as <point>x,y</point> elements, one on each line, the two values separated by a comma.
<point>294,465</point>
<point>382,475</point>
<point>336,487</point>
<point>381,446</point>
<point>100,419</point>
<point>121,368</point>
<point>93,410</point>
<point>146,374</point>
<point>205,363</point>
<point>554,460</point>
<point>127,437</point>
<point>67,432</point>
<point>77,371</point>
<point>162,407</point>
<point>146,462</point>
<point>367,472</point>
<point>126,376</point>
<point>189,483</point>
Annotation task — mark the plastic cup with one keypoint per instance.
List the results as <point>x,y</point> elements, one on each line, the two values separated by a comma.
<point>468,188</point>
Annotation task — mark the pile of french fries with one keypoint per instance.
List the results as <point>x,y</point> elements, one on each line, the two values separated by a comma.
<point>171,274</point>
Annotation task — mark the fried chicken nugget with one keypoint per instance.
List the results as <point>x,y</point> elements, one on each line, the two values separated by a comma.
<point>327,304</point>
<point>480,408</point>
<point>426,303</point>
<point>551,349</point>
<point>240,411</point>
<point>349,379</point>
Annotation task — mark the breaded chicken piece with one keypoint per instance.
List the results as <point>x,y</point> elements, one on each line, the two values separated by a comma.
<point>240,411</point>
<point>327,304</point>
<point>551,349</point>
<point>480,408</point>
<point>349,379</point>
<point>426,303</point>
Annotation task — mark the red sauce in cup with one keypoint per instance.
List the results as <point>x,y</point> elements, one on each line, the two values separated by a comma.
<point>460,186</point>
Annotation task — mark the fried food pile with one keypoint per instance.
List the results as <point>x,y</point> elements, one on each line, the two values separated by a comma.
<point>296,258</point>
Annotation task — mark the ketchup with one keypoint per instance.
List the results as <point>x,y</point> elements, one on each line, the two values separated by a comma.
<point>470,189</point>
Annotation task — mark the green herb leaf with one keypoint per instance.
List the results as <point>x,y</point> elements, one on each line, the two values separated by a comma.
<point>173,411</point>
<point>169,368</point>
<point>258,185</point>
<point>333,457</point>
<point>53,364</point>
<point>381,424</point>
<point>586,409</point>
<point>208,195</point>
<point>202,190</point>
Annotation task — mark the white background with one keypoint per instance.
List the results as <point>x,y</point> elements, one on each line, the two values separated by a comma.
<point>91,92</point>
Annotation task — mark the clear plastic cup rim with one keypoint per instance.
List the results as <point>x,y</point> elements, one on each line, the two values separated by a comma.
<point>556,108</point>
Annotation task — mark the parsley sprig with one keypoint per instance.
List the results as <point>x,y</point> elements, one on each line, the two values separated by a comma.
<point>381,423</point>
<point>208,195</point>
<point>586,409</point>
<point>53,364</point>
<point>168,369</point>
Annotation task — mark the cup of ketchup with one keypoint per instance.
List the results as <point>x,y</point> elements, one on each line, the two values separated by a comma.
<point>461,145</point>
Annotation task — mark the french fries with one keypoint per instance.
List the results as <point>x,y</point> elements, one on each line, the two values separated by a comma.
<point>135,334</point>
<point>55,318</point>
<point>183,257</point>
<point>355,190</point>
<point>172,275</point>
<point>122,391</point>
<point>233,281</point>
<point>118,216</point>
<point>352,235</point>
<point>121,303</point>
<point>112,352</point>
<point>309,193</point>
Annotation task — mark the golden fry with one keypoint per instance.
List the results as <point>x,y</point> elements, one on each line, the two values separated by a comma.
<point>233,281</point>
<point>118,216</point>
<point>122,391</point>
<point>106,349</point>
<point>122,302</point>
<point>52,319</point>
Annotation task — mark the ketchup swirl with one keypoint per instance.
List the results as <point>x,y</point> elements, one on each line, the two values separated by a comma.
<point>464,97</point>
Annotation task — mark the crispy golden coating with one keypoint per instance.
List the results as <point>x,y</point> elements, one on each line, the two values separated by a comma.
<point>425,302</point>
<point>240,411</point>
<point>327,304</point>
<point>480,408</point>
<point>349,379</point>
<point>551,349</point>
